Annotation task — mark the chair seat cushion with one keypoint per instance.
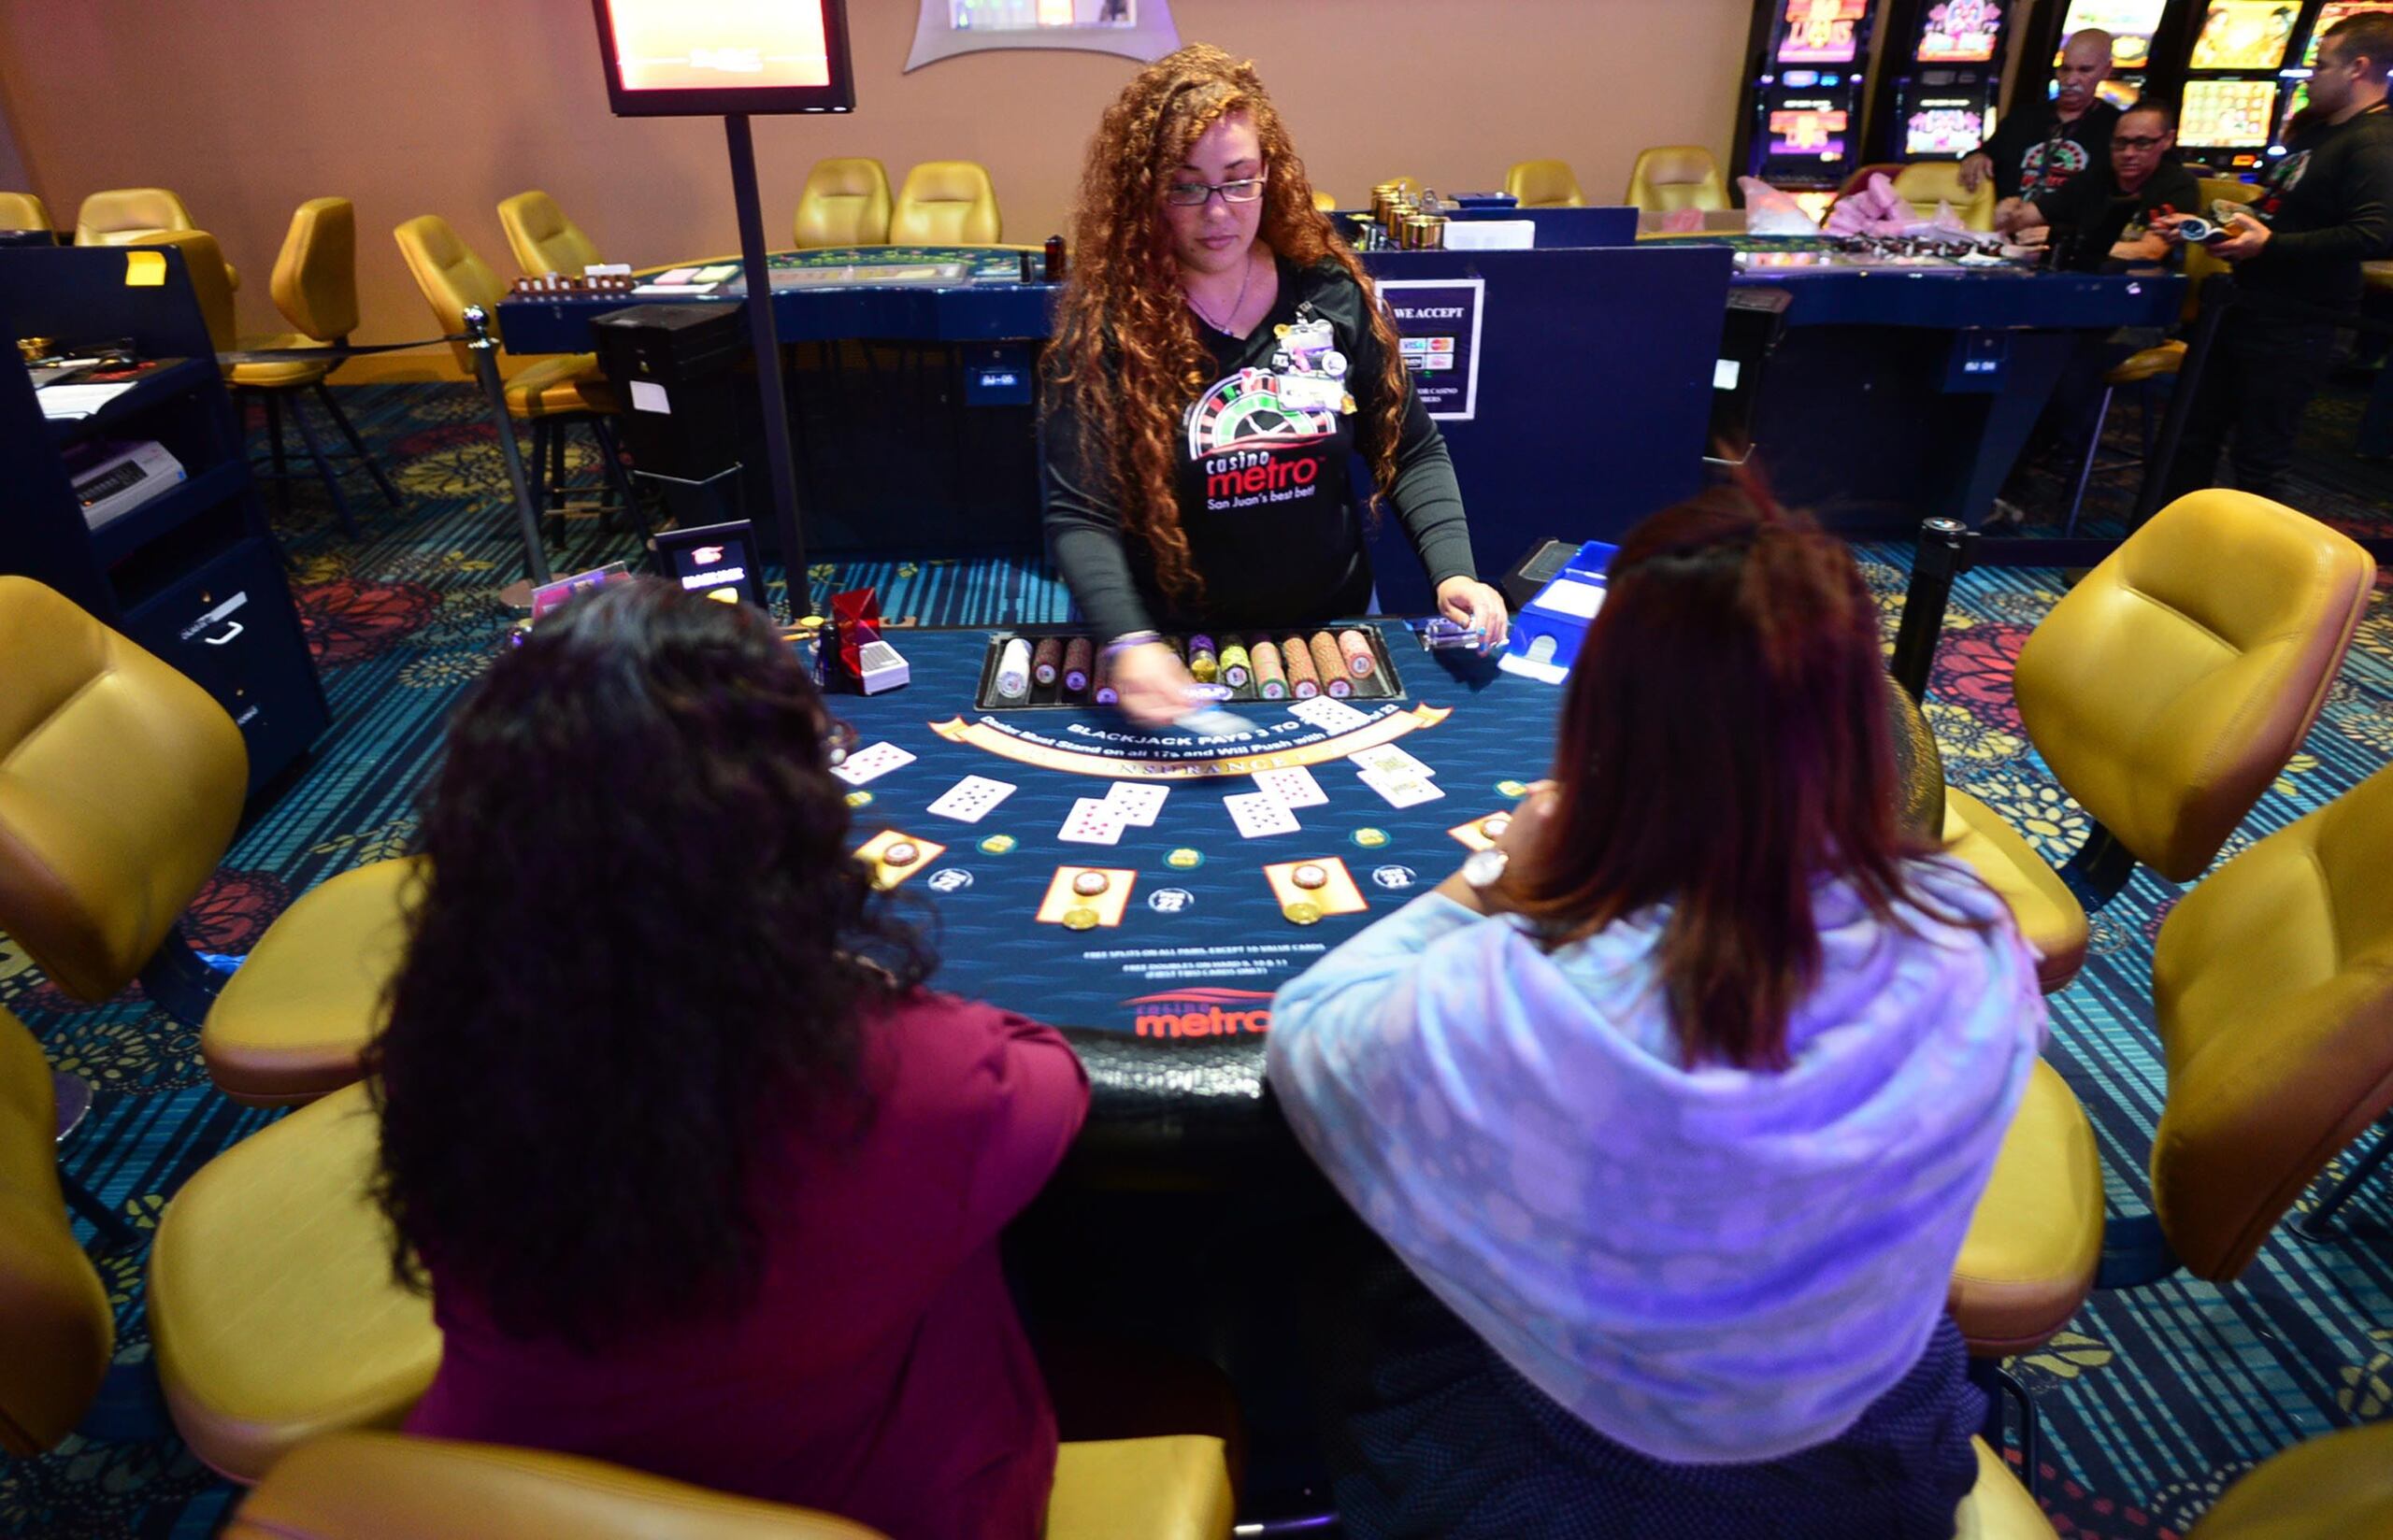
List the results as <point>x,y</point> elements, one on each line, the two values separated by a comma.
<point>569,382</point>
<point>2048,913</point>
<point>1156,1489</point>
<point>272,1306</point>
<point>290,1023</point>
<point>291,374</point>
<point>1998,1507</point>
<point>2151,362</point>
<point>2326,1488</point>
<point>2036,1238</point>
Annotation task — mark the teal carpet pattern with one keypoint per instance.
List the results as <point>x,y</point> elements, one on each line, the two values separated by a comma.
<point>2152,1403</point>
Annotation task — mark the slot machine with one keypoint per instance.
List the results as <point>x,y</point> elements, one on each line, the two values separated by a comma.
<point>2294,92</point>
<point>1936,99</point>
<point>2139,30</point>
<point>2227,113</point>
<point>1800,130</point>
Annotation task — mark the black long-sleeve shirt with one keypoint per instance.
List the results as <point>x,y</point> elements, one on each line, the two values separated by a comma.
<point>2329,207</point>
<point>1264,489</point>
<point>2034,151</point>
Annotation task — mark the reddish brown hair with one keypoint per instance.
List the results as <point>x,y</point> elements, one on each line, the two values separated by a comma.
<point>1725,742</point>
<point>1124,342</point>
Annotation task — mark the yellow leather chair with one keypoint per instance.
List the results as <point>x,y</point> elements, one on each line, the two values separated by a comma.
<point>946,202</point>
<point>2272,988</point>
<point>1998,1507</point>
<point>56,1331</point>
<point>123,785</point>
<point>211,280</point>
<point>845,202</point>
<point>2336,1486</point>
<point>552,394</point>
<point>1545,184</point>
<point>129,216</point>
<point>2165,692</point>
<point>23,211</point>
<point>1669,178</point>
<point>315,287</point>
<point>1324,200</point>
<point>1924,184</point>
<point>365,1486</point>
<point>543,240</point>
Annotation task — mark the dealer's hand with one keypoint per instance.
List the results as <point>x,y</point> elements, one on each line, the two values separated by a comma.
<point>1467,600</point>
<point>1154,683</point>
<point>2245,238</point>
<point>1975,169</point>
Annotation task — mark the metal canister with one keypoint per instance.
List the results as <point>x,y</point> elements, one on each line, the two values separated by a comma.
<point>1420,231</point>
<point>1382,196</point>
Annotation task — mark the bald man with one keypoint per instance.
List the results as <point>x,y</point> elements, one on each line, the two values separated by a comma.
<point>2042,145</point>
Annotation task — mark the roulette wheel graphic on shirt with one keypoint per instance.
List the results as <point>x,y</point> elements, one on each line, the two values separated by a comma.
<point>1244,410</point>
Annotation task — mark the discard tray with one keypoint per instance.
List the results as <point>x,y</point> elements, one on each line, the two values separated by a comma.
<point>1384,683</point>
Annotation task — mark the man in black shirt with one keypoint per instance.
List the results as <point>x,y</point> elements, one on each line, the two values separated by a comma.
<point>2042,145</point>
<point>2111,209</point>
<point>2328,208</point>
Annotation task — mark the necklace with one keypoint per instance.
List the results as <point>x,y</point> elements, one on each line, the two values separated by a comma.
<point>1235,305</point>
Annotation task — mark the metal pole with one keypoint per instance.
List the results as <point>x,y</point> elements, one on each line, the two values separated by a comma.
<point>779,467</point>
<point>485,346</point>
<point>2218,295</point>
<point>1943,555</point>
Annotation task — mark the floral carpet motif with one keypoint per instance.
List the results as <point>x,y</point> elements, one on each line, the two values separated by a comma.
<point>2151,1402</point>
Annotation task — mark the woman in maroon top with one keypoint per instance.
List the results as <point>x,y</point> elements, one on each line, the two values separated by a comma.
<point>702,1177</point>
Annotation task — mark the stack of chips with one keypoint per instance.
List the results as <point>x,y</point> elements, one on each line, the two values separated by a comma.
<point>1304,681</point>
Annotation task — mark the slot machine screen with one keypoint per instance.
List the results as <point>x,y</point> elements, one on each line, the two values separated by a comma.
<point>1960,32</point>
<point>2334,11</point>
<point>681,57</point>
<point>1821,32</point>
<point>1947,127</point>
<point>2129,22</point>
<point>2245,35</point>
<point>1813,129</point>
<point>2225,114</point>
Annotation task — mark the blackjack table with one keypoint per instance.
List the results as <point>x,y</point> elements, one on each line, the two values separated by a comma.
<point>1157,951</point>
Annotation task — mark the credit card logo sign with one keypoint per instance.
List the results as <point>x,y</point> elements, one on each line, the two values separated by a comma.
<point>1201,1011</point>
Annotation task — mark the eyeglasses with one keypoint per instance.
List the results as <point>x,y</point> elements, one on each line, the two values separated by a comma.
<point>1198,194</point>
<point>2138,141</point>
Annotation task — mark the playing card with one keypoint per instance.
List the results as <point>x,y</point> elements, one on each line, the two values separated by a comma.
<point>1093,821</point>
<point>1388,760</point>
<point>1292,788</point>
<point>969,798</point>
<point>1328,715</point>
<point>1137,802</point>
<point>1401,790</point>
<point>869,763</point>
<point>1260,813</point>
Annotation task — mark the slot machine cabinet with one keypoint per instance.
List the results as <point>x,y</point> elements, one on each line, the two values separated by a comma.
<point>2293,87</point>
<point>1800,127</point>
<point>1939,84</point>
<point>2227,113</point>
<point>2148,34</point>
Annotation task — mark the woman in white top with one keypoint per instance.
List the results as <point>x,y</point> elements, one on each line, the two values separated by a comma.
<point>1681,1097</point>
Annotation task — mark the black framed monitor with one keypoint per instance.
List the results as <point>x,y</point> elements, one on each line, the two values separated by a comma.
<point>713,58</point>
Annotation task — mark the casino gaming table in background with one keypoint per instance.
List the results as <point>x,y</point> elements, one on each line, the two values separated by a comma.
<point>1167,1008</point>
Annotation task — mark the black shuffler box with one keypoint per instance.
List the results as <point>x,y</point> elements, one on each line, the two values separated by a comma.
<point>686,384</point>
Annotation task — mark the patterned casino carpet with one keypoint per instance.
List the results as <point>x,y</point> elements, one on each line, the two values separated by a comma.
<point>2152,1403</point>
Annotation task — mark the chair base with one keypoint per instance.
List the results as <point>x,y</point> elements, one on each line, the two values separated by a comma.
<point>131,1407</point>
<point>2313,1225</point>
<point>1989,1375</point>
<point>182,980</point>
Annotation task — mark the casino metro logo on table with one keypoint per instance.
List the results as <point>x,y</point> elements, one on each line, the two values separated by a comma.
<point>1200,1010</point>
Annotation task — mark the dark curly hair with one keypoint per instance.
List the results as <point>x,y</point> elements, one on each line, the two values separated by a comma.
<point>639,961</point>
<point>1124,343</point>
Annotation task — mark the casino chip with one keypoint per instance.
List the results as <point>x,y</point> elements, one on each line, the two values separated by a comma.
<point>859,799</point>
<point>1080,919</point>
<point>1514,788</point>
<point>905,852</point>
<point>1090,884</point>
<point>1493,825</point>
<point>1298,913</point>
<point>998,845</point>
<point>1309,875</point>
<point>1371,839</point>
<point>1184,859</point>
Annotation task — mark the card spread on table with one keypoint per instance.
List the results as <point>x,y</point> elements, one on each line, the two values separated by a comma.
<point>1260,813</point>
<point>1292,788</point>
<point>1137,802</point>
<point>869,763</point>
<point>1328,715</point>
<point>971,797</point>
<point>1399,789</point>
<point>1388,760</point>
<point>1093,821</point>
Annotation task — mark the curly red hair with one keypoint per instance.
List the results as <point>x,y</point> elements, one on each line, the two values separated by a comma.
<point>1124,342</point>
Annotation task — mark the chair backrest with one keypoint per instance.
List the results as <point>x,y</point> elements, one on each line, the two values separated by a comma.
<point>23,211</point>
<point>122,216</point>
<point>1924,184</point>
<point>2201,265</point>
<point>377,1485</point>
<point>2338,1486</point>
<point>845,202</point>
<point>1324,200</point>
<point>315,278</point>
<point>2272,987</point>
<point>946,202</point>
<point>543,240</point>
<point>2168,688</point>
<point>1545,184</point>
<point>121,783</point>
<point>1667,177</point>
<point>449,276</point>
<point>56,1331</point>
<point>210,279</point>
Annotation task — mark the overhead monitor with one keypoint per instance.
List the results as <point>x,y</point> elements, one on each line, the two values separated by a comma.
<point>1960,32</point>
<point>2333,12</point>
<point>2225,114</point>
<point>692,58</point>
<point>2245,35</point>
<point>2129,22</point>
<point>1821,32</point>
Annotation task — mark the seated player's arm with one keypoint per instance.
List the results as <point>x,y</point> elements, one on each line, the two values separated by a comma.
<point>2016,215</point>
<point>2148,247</point>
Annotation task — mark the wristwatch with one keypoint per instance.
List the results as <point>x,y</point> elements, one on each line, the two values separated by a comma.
<point>1481,868</point>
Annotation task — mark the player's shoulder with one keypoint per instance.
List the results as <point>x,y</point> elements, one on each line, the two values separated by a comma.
<point>940,1039</point>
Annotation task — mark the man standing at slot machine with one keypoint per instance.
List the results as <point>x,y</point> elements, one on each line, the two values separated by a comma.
<point>2328,208</point>
<point>2042,145</point>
